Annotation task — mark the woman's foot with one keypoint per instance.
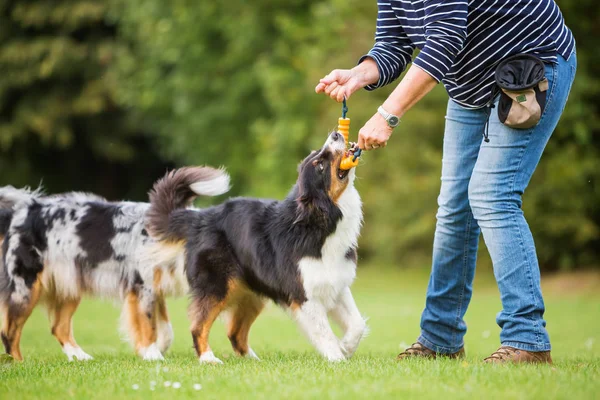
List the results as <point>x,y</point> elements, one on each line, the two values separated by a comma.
<point>418,350</point>
<point>507,354</point>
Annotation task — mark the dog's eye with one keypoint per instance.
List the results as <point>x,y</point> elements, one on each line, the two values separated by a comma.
<point>321,167</point>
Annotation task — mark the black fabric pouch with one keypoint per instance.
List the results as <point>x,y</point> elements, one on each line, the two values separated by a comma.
<point>523,86</point>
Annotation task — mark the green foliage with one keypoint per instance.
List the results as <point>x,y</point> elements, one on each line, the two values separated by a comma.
<point>58,118</point>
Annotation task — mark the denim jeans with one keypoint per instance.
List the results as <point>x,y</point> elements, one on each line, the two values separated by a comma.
<point>481,190</point>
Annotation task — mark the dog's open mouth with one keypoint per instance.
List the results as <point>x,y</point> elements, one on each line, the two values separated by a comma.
<point>342,173</point>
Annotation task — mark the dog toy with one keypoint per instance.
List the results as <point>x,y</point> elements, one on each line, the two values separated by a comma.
<point>350,160</point>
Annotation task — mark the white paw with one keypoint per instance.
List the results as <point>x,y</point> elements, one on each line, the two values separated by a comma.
<point>73,352</point>
<point>151,353</point>
<point>209,358</point>
<point>165,336</point>
<point>348,349</point>
<point>336,355</point>
<point>352,339</point>
<point>251,354</point>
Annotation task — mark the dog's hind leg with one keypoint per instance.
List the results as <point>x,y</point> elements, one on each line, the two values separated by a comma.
<point>245,312</point>
<point>61,312</point>
<point>140,311</point>
<point>164,327</point>
<point>202,312</point>
<point>15,316</point>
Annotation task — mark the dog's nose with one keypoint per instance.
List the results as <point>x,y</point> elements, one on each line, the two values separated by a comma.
<point>335,136</point>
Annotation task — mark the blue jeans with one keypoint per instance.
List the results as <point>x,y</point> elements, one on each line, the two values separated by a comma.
<point>482,186</point>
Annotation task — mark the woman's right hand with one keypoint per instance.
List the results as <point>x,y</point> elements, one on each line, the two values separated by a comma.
<point>341,83</point>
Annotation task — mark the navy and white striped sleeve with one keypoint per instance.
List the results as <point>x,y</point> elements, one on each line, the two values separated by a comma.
<point>445,34</point>
<point>392,50</point>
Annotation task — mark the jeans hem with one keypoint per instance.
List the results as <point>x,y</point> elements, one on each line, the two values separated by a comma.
<point>438,349</point>
<point>528,346</point>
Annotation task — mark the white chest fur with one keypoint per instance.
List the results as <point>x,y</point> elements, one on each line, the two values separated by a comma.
<point>325,278</point>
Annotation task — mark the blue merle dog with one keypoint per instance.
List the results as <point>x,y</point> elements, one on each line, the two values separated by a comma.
<point>56,249</point>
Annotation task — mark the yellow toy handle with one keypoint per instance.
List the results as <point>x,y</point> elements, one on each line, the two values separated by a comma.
<point>343,128</point>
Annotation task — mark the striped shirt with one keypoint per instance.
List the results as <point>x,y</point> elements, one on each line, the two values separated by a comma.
<point>461,41</point>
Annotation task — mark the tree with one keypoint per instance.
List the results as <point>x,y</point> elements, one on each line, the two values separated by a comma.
<point>59,122</point>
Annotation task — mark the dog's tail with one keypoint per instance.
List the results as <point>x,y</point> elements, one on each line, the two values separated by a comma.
<point>11,196</point>
<point>167,219</point>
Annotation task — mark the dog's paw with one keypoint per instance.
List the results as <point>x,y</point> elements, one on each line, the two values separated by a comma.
<point>165,336</point>
<point>209,358</point>
<point>336,355</point>
<point>73,352</point>
<point>251,354</point>
<point>151,353</point>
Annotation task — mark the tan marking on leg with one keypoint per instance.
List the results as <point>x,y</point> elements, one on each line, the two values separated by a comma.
<point>157,280</point>
<point>247,309</point>
<point>14,320</point>
<point>203,313</point>
<point>142,327</point>
<point>161,308</point>
<point>62,326</point>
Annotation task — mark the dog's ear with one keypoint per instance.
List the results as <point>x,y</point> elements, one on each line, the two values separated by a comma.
<point>306,160</point>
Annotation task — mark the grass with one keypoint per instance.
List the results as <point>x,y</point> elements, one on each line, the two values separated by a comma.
<point>291,369</point>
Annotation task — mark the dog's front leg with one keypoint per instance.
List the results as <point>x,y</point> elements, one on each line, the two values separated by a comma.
<point>346,315</point>
<point>312,318</point>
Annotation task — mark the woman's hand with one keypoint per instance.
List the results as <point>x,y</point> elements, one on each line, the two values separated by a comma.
<point>375,134</point>
<point>341,83</point>
<point>338,84</point>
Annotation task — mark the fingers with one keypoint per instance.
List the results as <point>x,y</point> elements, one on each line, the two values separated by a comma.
<point>361,140</point>
<point>320,88</point>
<point>331,87</point>
<point>371,139</point>
<point>333,76</point>
<point>339,93</point>
<point>342,92</point>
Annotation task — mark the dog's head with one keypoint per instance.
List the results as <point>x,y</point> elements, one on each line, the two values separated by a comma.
<point>321,182</point>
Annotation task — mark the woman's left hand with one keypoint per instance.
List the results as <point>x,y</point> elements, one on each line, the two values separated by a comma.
<point>375,134</point>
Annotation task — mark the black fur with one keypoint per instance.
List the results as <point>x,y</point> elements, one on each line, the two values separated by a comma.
<point>96,230</point>
<point>351,255</point>
<point>5,217</point>
<point>32,240</point>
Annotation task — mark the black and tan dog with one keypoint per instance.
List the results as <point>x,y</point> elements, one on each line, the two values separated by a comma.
<point>300,252</point>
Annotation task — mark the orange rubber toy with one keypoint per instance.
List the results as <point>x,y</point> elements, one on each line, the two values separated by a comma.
<point>351,159</point>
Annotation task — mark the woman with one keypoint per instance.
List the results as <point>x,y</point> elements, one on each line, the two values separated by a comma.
<point>485,169</point>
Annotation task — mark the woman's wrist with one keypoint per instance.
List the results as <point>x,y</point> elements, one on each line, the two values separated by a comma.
<point>366,72</point>
<point>393,107</point>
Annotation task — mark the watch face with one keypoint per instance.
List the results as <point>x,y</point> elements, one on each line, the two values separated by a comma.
<point>393,121</point>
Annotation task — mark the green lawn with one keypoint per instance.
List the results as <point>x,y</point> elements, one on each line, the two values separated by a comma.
<point>291,369</point>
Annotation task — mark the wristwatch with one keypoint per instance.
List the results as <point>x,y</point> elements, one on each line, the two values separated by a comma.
<point>391,119</point>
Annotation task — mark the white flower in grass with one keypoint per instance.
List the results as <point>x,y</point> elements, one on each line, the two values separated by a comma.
<point>167,383</point>
<point>197,386</point>
<point>165,369</point>
<point>135,386</point>
<point>152,383</point>
<point>176,385</point>
<point>589,343</point>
